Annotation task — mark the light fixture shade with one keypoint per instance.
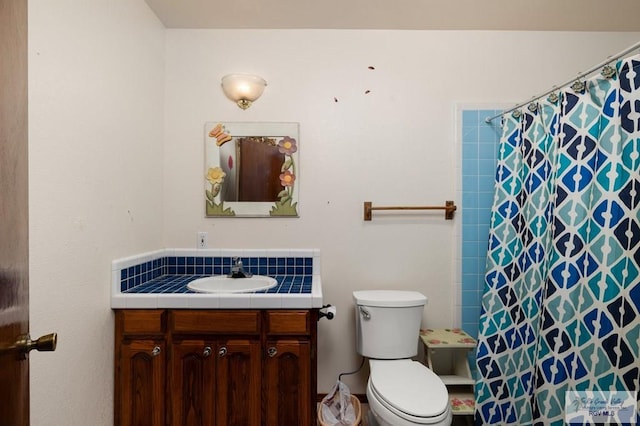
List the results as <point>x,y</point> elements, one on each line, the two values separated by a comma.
<point>243,89</point>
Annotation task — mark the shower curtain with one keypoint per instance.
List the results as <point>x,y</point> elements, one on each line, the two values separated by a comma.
<point>561,305</point>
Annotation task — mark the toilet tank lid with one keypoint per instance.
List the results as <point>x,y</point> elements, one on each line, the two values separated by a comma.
<point>389,298</point>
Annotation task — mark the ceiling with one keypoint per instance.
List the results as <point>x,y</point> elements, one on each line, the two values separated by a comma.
<point>525,15</point>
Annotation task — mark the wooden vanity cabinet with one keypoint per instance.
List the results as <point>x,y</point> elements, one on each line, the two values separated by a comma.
<point>236,367</point>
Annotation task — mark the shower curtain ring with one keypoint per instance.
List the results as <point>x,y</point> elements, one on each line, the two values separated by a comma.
<point>516,113</point>
<point>553,98</point>
<point>578,86</point>
<point>533,107</point>
<point>608,71</point>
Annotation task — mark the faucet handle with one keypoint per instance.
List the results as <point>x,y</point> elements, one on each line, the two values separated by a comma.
<point>237,269</point>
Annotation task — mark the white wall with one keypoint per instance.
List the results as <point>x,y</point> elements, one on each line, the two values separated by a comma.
<point>96,71</point>
<point>116,152</point>
<point>393,146</point>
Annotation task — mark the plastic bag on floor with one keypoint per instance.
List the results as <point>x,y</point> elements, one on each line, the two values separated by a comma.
<point>337,408</point>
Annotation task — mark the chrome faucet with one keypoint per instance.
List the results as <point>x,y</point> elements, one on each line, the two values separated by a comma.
<point>237,270</point>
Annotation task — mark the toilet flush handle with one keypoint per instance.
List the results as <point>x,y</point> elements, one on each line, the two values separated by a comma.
<point>365,314</point>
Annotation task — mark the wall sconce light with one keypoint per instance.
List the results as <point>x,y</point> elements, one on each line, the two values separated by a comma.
<point>243,89</point>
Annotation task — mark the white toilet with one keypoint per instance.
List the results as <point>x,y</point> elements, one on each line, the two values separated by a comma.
<point>401,392</point>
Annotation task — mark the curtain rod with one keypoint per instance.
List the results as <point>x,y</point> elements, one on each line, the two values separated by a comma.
<point>583,74</point>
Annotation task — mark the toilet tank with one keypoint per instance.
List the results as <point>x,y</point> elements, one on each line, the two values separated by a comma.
<point>388,323</point>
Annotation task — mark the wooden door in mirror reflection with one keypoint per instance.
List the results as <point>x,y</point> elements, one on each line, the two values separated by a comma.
<point>14,225</point>
<point>259,171</point>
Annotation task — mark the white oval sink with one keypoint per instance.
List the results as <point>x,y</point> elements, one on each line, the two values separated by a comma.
<point>224,284</point>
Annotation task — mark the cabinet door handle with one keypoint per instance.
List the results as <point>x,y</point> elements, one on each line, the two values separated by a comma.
<point>155,351</point>
<point>222,351</point>
<point>207,351</point>
<point>272,351</point>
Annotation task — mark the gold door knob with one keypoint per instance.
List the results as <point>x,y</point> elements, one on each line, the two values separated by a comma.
<point>24,345</point>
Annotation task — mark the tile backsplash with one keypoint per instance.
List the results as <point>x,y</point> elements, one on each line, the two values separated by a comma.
<point>137,270</point>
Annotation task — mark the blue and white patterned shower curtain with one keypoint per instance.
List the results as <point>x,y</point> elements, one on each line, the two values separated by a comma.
<point>561,305</point>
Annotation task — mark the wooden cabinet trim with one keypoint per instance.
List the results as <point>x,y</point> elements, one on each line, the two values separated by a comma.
<point>141,321</point>
<point>217,322</point>
<point>288,322</point>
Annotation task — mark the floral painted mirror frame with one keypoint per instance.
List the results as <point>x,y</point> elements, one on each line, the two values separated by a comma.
<point>284,136</point>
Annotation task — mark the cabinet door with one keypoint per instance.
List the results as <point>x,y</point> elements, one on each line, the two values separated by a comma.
<point>192,383</point>
<point>141,378</point>
<point>238,383</point>
<point>288,383</point>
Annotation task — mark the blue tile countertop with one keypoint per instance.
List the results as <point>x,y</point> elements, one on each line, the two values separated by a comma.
<point>159,279</point>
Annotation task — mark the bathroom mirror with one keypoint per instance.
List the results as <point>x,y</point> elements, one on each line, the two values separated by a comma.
<point>251,169</point>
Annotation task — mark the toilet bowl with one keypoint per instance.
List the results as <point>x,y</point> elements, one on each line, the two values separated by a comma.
<point>405,393</point>
<point>400,391</point>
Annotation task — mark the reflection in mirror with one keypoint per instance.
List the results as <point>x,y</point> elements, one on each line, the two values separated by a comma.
<point>252,165</point>
<point>251,169</point>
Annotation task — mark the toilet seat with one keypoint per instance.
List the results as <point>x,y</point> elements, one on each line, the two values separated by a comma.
<point>409,390</point>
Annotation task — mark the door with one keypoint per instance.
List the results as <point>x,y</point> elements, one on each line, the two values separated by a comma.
<point>14,227</point>
<point>238,383</point>
<point>192,388</point>
<point>141,383</point>
<point>15,343</point>
<point>288,383</point>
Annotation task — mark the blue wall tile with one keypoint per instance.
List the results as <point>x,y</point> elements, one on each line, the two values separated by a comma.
<point>471,117</point>
<point>480,142</point>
